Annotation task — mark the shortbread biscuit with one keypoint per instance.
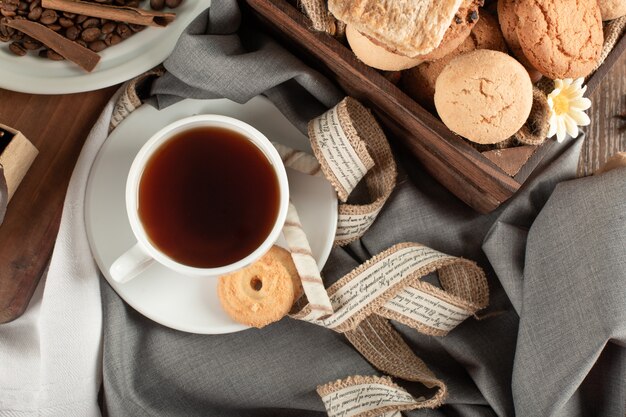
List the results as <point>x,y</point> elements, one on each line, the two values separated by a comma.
<point>508,24</point>
<point>408,27</point>
<point>284,257</point>
<point>484,96</point>
<point>419,82</point>
<point>612,9</point>
<point>259,294</point>
<point>561,38</point>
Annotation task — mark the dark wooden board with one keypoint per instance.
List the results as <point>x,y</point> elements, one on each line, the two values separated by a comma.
<point>452,161</point>
<point>58,127</point>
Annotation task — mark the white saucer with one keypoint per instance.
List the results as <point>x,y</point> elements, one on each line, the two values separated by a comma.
<point>186,303</point>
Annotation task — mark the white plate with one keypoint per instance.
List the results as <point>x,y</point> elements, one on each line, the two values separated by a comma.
<point>190,303</point>
<point>137,54</point>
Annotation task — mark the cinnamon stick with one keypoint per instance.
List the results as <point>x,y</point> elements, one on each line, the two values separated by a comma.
<point>83,57</point>
<point>125,14</point>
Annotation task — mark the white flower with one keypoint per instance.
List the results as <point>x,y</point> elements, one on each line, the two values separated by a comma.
<point>567,106</point>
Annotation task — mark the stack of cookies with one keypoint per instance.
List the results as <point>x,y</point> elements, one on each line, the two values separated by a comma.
<point>474,63</point>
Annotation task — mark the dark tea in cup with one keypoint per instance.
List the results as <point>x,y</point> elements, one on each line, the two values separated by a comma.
<point>208,197</point>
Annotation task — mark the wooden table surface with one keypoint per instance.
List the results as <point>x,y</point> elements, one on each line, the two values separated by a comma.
<point>59,125</point>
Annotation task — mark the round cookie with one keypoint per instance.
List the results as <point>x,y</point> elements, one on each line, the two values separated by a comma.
<point>259,294</point>
<point>375,55</point>
<point>612,9</point>
<point>419,82</point>
<point>284,257</point>
<point>561,38</point>
<point>460,28</point>
<point>484,96</point>
<point>508,24</point>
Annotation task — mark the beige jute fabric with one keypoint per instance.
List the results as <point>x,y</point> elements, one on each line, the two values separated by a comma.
<point>390,286</point>
<point>613,31</point>
<point>370,144</point>
<point>535,129</point>
<point>321,19</point>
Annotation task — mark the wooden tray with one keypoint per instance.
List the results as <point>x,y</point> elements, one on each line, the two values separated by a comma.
<point>476,178</point>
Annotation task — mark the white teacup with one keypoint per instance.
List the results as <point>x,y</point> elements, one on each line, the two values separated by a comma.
<point>144,252</point>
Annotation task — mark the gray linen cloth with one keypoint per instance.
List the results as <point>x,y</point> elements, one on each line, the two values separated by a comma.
<point>551,343</point>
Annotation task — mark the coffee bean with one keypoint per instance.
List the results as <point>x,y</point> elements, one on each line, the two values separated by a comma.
<point>80,19</point>
<point>124,31</point>
<point>69,15</point>
<point>72,33</point>
<point>136,28</point>
<point>35,13</point>
<point>55,27</point>
<point>92,22</point>
<point>112,39</point>
<point>7,13</point>
<point>23,7</point>
<point>34,4</point>
<point>91,34</point>
<point>108,27</point>
<point>97,46</point>
<point>133,3</point>
<point>65,22</point>
<point>31,44</point>
<point>17,36</point>
<point>157,4</point>
<point>9,7</point>
<point>43,53</point>
<point>54,56</point>
<point>82,43</point>
<point>48,17</point>
<point>17,49</point>
<point>5,31</point>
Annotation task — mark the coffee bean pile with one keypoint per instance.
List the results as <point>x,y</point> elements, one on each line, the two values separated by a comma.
<point>91,32</point>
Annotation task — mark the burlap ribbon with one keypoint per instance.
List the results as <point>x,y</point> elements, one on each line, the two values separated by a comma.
<point>321,19</point>
<point>349,146</point>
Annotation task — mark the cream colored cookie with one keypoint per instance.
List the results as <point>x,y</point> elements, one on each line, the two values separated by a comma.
<point>419,82</point>
<point>612,9</point>
<point>377,56</point>
<point>561,38</point>
<point>259,294</point>
<point>484,96</point>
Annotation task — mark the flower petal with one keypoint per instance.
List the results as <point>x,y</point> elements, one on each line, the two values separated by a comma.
<point>552,124</point>
<point>578,82</point>
<point>582,103</point>
<point>570,126</point>
<point>579,117</point>
<point>560,130</point>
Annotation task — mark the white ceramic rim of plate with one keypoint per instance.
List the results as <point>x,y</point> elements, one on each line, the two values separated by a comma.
<point>154,143</point>
<point>134,56</point>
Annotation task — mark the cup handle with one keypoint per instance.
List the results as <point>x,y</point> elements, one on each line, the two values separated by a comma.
<point>134,261</point>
